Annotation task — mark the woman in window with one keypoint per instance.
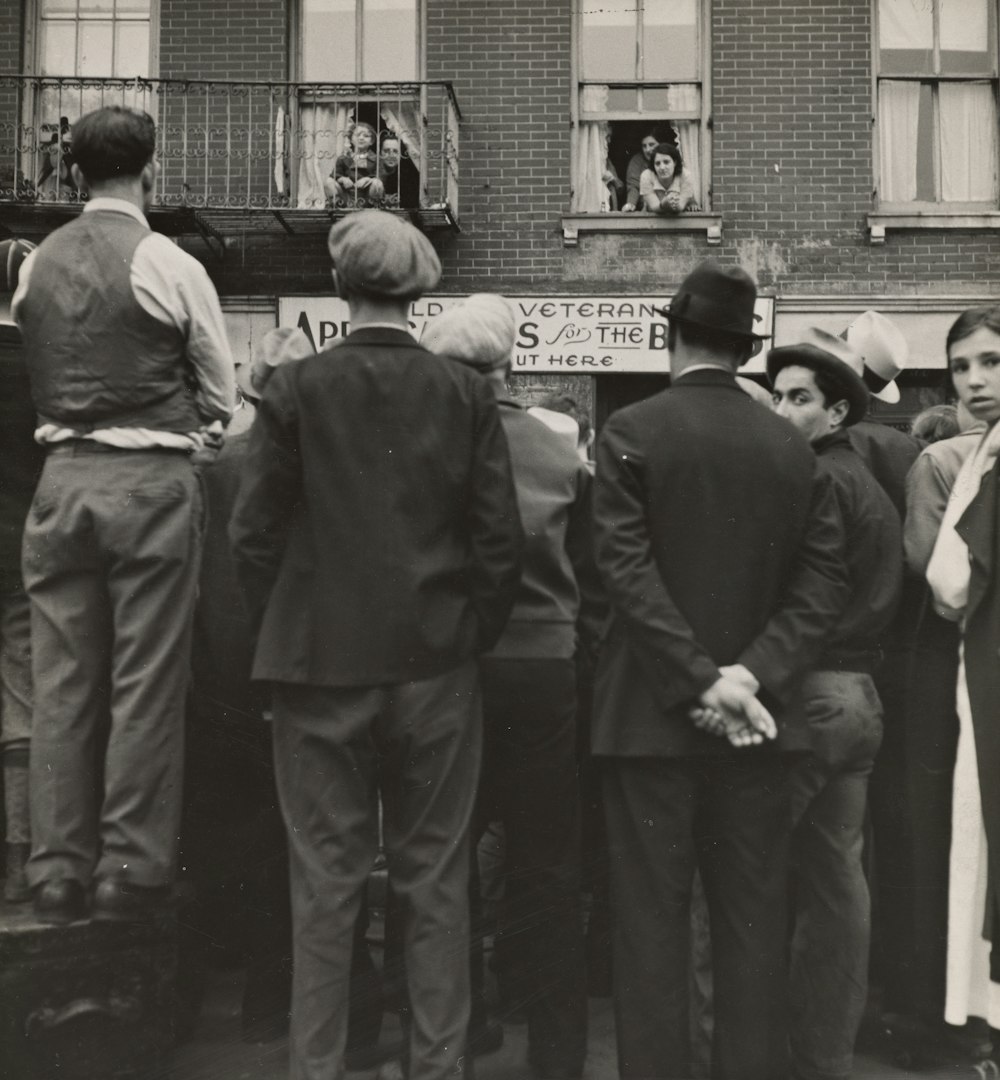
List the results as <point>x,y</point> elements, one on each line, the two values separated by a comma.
<point>964,574</point>
<point>638,164</point>
<point>666,188</point>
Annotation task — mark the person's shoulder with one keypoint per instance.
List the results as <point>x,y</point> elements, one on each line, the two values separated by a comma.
<point>164,253</point>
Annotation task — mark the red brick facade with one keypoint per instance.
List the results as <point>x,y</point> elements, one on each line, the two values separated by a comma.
<point>792,169</point>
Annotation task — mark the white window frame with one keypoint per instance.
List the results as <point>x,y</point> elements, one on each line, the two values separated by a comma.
<point>698,221</point>
<point>297,22</point>
<point>33,38</point>
<point>923,213</point>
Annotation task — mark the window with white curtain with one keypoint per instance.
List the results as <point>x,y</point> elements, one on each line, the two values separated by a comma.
<point>936,117</point>
<point>640,77</point>
<point>363,42</point>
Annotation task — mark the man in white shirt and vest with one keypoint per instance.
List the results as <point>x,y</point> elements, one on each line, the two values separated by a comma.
<point>130,373</point>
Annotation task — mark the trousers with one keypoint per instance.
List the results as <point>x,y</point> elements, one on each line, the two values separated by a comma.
<point>831,904</point>
<point>335,749</point>
<point>728,815</point>
<point>111,551</point>
<point>529,782</point>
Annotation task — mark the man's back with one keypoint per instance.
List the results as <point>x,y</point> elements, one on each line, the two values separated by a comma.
<point>721,490</point>
<point>386,466</point>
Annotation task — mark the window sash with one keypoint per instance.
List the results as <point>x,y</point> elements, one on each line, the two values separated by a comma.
<point>369,21</point>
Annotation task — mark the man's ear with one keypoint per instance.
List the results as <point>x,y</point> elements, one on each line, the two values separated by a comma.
<point>838,413</point>
<point>338,285</point>
<point>148,177</point>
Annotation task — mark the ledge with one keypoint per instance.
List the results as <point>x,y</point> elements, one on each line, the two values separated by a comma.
<point>574,224</point>
<point>931,219</point>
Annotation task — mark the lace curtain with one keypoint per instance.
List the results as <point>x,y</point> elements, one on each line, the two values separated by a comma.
<point>322,137</point>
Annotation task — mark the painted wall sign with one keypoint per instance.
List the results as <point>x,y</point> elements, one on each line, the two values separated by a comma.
<point>564,334</point>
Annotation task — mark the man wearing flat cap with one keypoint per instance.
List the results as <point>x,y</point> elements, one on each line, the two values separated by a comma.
<point>818,386</point>
<point>720,549</point>
<point>378,545</point>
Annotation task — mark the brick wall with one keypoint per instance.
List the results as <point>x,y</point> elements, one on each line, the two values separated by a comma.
<point>792,172</point>
<point>208,39</point>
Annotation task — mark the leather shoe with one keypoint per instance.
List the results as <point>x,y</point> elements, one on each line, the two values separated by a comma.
<point>124,901</point>
<point>59,902</point>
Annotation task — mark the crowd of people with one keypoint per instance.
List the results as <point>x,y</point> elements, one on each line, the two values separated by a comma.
<point>399,590</point>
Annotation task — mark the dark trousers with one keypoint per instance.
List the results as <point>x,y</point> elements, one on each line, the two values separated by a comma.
<point>111,551</point>
<point>831,905</point>
<point>420,744</point>
<point>529,782</point>
<point>728,816</point>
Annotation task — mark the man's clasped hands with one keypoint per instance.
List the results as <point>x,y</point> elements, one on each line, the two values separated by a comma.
<point>730,709</point>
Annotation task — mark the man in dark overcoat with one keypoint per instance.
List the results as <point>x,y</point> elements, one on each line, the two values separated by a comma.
<point>721,551</point>
<point>378,543</point>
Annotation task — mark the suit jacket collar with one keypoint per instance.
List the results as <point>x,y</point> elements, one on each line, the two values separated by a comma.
<point>706,377</point>
<point>379,335</point>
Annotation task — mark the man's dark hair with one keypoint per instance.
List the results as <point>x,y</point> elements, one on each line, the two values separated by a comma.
<point>737,350</point>
<point>670,151</point>
<point>970,321</point>
<point>113,142</point>
<point>830,389</point>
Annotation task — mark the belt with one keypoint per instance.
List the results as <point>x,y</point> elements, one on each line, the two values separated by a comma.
<point>71,447</point>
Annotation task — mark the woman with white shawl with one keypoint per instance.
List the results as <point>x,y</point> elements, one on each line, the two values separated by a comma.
<point>964,574</point>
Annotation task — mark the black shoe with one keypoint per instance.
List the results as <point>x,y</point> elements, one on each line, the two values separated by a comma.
<point>59,902</point>
<point>123,901</point>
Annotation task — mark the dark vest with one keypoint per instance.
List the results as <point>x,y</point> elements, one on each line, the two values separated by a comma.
<point>95,358</point>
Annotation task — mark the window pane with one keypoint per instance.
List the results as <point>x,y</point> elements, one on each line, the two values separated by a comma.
<point>670,40</point>
<point>966,38</point>
<point>683,98</point>
<point>905,37</point>
<point>607,39</point>
<point>58,7</point>
<point>622,99</point>
<point>132,49</point>
<point>328,40</point>
<point>58,48</point>
<point>389,45</point>
<point>132,8</point>
<point>90,9</point>
<point>95,48</point>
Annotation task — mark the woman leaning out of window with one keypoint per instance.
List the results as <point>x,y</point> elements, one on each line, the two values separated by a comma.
<point>666,187</point>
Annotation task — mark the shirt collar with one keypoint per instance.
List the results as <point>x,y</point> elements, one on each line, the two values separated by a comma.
<point>118,206</point>
<point>703,367</point>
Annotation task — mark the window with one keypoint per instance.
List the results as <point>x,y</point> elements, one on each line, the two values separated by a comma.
<point>359,40</point>
<point>936,79</point>
<point>641,76</point>
<point>97,38</point>
<point>365,51</point>
<point>99,47</point>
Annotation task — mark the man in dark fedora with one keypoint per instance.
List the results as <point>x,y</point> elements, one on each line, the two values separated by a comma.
<point>818,386</point>
<point>378,543</point>
<point>720,548</point>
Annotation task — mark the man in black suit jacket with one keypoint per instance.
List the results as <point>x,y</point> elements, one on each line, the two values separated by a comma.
<point>378,541</point>
<point>721,551</point>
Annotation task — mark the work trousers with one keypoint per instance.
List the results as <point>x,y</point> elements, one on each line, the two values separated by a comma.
<point>16,696</point>
<point>728,815</point>
<point>420,744</point>
<point>529,782</point>
<point>831,904</point>
<point>111,551</point>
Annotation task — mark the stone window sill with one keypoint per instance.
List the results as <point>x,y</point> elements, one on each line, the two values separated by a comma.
<point>697,222</point>
<point>925,219</point>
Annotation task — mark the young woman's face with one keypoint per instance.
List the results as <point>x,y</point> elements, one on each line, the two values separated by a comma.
<point>975,370</point>
<point>663,165</point>
<point>649,144</point>
<point>362,138</point>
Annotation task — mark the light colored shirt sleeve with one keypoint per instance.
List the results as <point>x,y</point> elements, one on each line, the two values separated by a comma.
<point>647,183</point>
<point>22,286</point>
<point>927,493</point>
<point>173,287</point>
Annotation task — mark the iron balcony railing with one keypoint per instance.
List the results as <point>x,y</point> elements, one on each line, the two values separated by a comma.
<point>241,145</point>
